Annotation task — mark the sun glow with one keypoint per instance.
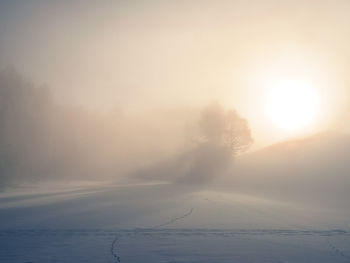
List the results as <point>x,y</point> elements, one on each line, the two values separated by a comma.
<point>292,104</point>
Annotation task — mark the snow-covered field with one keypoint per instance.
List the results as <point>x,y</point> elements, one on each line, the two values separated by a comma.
<point>173,245</point>
<point>133,224</point>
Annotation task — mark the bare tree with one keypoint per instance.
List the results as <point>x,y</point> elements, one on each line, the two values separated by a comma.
<point>225,128</point>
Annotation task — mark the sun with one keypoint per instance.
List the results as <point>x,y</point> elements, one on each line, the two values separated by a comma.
<point>292,104</point>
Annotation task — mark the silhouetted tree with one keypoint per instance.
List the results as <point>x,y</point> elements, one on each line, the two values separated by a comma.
<point>225,128</point>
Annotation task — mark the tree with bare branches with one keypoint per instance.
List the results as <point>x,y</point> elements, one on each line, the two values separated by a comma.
<point>225,128</point>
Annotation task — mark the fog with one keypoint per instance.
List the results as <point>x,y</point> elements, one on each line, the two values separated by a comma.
<point>310,171</point>
<point>45,140</point>
<point>145,131</point>
<point>153,91</point>
<point>153,55</point>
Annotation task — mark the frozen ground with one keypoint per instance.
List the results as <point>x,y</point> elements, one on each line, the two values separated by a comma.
<point>173,245</point>
<point>165,224</point>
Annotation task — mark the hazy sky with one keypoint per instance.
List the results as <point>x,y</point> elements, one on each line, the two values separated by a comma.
<point>171,54</point>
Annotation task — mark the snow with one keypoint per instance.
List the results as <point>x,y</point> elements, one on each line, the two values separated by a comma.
<point>166,223</point>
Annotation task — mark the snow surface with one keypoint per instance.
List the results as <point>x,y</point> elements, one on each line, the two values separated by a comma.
<point>168,224</point>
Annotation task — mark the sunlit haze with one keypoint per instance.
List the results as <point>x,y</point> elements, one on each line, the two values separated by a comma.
<point>292,104</point>
<point>158,131</point>
<point>159,55</point>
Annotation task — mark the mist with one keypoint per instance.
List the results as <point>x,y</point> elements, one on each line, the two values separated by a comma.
<point>45,140</point>
<point>162,55</point>
<point>174,131</point>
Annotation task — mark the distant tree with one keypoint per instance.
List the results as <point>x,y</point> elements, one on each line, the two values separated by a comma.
<point>25,112</point>
<point>225,128</point>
